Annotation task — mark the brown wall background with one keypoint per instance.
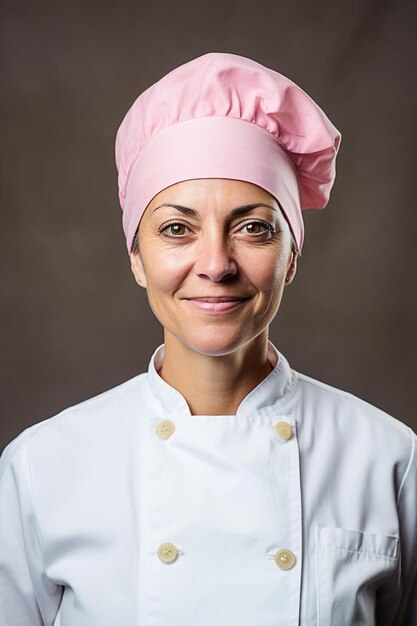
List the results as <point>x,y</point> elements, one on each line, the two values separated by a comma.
<point>74,322</point>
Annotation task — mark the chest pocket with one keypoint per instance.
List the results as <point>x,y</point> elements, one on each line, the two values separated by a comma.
<point>350,566</point>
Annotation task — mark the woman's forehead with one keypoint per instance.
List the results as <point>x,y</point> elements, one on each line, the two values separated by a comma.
<point>220,190</point>
<point>220,195</point>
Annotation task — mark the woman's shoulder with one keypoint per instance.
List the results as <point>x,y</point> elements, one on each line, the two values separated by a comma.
<point>354,418</point>
<point>82,420</point>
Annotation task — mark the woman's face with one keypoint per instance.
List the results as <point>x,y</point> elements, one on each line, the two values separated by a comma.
<point>205,250</point>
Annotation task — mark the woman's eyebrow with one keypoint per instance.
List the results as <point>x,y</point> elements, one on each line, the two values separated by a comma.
<point>238,211</point>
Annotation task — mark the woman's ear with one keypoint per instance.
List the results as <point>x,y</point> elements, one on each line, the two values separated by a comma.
<point>137,269</point>
<point>291,267</point>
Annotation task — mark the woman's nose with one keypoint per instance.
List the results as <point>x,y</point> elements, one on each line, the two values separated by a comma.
<point>214,257</point>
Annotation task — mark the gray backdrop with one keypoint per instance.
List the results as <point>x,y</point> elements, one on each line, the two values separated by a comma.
<point>74,321</point>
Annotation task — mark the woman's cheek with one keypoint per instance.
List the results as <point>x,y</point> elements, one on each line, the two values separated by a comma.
<point>266,278</point>
<point>166,276</point>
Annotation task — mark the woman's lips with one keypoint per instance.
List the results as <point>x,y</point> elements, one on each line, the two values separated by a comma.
<point>216,307</point>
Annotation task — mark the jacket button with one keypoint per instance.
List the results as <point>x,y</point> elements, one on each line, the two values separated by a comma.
<point>167,552</point>
<point>283,430</point>
<point>165,428</point>
<point>285,559</point>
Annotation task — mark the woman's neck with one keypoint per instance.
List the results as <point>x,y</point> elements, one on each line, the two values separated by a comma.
<point>215,385</point>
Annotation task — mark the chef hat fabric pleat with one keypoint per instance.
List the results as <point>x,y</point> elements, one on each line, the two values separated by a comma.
<point>222,115</point>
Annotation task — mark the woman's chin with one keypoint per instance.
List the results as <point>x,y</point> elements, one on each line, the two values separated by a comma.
<point>213,342</point>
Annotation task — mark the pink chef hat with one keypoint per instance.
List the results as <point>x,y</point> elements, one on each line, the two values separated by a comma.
<point>222,115</point>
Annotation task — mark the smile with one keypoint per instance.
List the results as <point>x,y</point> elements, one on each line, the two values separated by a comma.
<point>217,307</point>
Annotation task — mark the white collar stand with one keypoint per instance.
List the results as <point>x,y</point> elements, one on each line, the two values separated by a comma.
<point>270,395</point>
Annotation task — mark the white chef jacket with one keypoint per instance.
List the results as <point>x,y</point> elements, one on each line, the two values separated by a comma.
<point>126,510</point>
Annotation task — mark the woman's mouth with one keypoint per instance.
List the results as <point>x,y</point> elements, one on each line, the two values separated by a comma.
<point>216,305</point>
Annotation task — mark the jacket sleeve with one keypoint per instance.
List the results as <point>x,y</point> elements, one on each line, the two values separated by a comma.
<point>27,596</point>
<point>407,510</point>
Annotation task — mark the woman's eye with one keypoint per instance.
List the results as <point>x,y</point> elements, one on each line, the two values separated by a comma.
<point>175,226</point>
<point>252,230</point>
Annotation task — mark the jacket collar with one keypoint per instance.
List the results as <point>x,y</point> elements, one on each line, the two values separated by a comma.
<point>272,393</point>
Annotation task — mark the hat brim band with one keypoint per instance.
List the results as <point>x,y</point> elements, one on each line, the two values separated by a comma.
<point>212,147</point>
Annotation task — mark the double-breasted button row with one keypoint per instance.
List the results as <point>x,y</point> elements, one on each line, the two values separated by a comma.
<point>166,427</point>
<point>284,558</point>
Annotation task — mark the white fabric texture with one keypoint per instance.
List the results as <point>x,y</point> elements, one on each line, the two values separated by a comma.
<point>89,495</point>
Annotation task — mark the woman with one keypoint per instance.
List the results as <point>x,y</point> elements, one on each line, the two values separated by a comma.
<point>221,486</point>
